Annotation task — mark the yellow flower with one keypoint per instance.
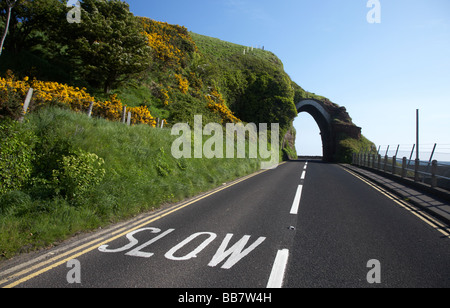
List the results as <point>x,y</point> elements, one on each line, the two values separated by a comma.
<point>47,93</point>
<point>216,103</point>
<point>183,84</point>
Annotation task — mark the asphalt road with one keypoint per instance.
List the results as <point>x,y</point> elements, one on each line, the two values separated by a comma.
<point>300,225</point>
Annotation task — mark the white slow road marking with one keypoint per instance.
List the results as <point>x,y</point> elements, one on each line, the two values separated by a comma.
<point>296,203</point>
<point>278,270</point>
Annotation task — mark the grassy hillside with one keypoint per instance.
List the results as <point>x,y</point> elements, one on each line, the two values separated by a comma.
<point>85,173</point>
<point>254,85</point>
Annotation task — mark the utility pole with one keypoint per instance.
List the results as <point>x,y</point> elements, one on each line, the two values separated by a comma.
<point>417,162</point>
<point>417,134</point>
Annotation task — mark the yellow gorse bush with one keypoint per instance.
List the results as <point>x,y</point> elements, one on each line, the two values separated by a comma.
<point>216,103</point>
<point>10,88</point>
<point>164,51</point>
<point>165,96</point>
<point>141,115</point>
<point>170,43</point>
<point>47,92</point>
<point>183,84</point>
<point>52,93</point>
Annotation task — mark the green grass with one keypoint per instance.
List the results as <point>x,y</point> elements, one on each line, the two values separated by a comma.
<point>348,146</point>
<point>223,51</point>
<point>141,175</point>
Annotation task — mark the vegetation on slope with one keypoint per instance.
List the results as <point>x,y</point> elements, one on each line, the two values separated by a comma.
<point>62,172</point>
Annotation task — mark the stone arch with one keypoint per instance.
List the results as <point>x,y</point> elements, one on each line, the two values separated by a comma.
<point>324,120</point>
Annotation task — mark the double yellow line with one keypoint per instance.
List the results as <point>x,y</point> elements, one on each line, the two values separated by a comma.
<point>44,266</point>
<point>410,208</point>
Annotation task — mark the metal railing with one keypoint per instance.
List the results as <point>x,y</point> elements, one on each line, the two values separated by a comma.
<point>432,173</point>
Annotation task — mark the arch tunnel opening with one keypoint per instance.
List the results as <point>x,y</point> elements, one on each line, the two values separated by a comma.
<point>323,121</point>
<point>308,141</point>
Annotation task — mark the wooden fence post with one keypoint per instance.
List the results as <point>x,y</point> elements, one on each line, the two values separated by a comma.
<point>26,103</point>
<point>129,118</point>
<point>91,106</point>
<point>394,164</point>
<point>416,170</point>
<point>404,167</point>
<point>433,174</point>
<point>124,111</point>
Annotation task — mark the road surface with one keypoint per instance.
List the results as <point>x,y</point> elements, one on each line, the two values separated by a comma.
<point>301,225</point>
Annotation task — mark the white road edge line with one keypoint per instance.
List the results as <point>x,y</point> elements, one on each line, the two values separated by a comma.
<point>278,270</point>
<point>296,203</point>
<point>407,206</point>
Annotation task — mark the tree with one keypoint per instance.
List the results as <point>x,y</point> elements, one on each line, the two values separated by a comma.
<point>107,45</point>
<point>29,22</point>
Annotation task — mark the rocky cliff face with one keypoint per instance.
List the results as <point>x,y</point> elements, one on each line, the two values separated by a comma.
<point>288,146</point>
<point>342,122</point>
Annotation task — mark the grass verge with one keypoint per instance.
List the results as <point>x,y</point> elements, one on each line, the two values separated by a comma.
<point>140,174</point>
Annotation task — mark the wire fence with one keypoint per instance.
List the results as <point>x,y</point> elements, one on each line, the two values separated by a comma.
<point>401,160</point>
<point>428,152</point>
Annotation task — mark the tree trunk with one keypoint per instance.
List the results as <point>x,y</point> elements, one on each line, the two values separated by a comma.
<point>6,28</point>
<point>107,87</point>
<point>109,82</point>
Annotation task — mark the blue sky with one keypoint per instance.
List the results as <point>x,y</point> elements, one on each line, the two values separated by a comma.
<point>380,72</point>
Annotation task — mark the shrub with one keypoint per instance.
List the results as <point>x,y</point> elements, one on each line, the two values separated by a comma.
<point>170,44</point>
<point>12,94</point>
<point>79,173</point>
<point>16,154</point>
<point>216,104</point>
<point>14,202</point>
<point>183,84</point>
